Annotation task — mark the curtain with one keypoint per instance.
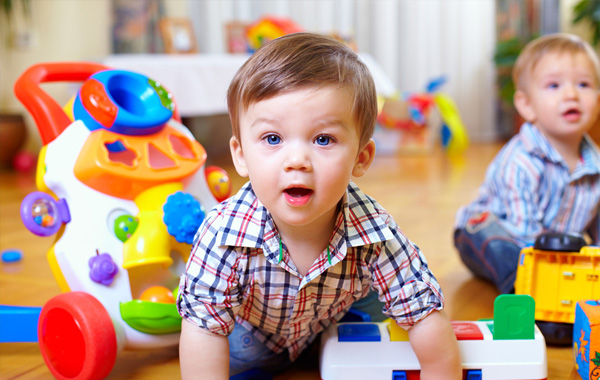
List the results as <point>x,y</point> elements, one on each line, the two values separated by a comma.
<point>414,41</point>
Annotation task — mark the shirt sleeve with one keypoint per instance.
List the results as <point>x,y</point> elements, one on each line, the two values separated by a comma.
<point>209,287</point>
<point>404,282</point>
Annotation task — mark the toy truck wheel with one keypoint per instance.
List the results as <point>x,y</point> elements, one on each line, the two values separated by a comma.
<point>560,241</point>
<point>555,333</point>
<point>76,337</point>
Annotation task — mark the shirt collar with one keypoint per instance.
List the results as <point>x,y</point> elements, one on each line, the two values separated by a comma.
<point>248,223</point>
<point>536,143</point>
<point>365,221</point>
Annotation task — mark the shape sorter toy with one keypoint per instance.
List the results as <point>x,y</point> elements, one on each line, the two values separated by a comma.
<point>123,185</point>
<point>508,347</point>
<point>586,339</point>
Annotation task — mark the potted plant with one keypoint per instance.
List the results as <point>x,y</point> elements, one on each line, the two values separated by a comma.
<point>17,18</point>
<point>506,55</point>
<point>589,11</point>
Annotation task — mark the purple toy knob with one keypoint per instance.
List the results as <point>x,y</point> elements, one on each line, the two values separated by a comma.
<point>102,268</point>
<point>42,214</point>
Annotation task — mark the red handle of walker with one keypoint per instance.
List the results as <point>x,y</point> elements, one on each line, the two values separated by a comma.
<point>49,116</point>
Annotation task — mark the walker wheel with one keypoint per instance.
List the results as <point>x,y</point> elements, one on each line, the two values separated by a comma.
<point>76,337</point>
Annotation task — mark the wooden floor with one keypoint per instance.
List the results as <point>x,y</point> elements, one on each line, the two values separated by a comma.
<point>422,192</point>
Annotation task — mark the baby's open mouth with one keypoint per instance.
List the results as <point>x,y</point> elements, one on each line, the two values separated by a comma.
<point>297,192</point>
<point>573,112</point>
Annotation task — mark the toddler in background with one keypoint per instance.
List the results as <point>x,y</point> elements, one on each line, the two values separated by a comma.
<point>547,177</point>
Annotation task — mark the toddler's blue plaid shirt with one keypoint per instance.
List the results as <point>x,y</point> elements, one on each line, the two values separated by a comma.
<point>233,273</point>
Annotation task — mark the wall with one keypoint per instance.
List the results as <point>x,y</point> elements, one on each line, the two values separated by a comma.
<point>62,30</point>
<point>413,41</point>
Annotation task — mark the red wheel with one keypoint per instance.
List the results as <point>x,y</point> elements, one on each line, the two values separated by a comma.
<point>77,337</point>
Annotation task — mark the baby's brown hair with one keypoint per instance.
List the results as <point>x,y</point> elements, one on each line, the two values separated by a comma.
<point>552,43</point>
<point>301,60</point>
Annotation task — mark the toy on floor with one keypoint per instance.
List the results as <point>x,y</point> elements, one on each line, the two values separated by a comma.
<point>410,117</point>
<point>558,271</point>
<point>12,255</point>
<point>586,339</point>
<point>508,347</point>
<point>19,323</point>
<point>123,186</point>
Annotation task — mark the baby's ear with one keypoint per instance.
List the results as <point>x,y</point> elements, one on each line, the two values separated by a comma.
<point>237,156</point>
<point>523,106</point>
<point>364,159</point>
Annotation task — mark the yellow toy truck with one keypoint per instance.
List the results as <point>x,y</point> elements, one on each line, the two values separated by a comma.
<point>557,271</point>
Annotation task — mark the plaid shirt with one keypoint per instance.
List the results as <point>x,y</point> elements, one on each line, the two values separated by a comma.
<point>530,188</point>
<point>234,274</point>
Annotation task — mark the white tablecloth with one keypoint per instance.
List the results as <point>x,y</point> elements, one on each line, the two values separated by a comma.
<point>199,82</point>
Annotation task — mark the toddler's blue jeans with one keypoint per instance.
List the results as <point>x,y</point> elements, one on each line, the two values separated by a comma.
<point>489,251</point>
<point>247,352</point>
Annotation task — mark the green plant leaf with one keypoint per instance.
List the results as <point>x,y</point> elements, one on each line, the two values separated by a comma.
<point>589,10</point>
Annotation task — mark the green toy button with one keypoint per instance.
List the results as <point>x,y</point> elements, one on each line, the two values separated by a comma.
<point>514,317</point>
<point>151,317</point>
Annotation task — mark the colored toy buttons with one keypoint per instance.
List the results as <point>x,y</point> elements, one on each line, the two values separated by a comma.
<point>218,182</point>
<point>183,216</point>
<point>102,268</point>
<point>123,102</point>
<point>125,226</point>
<point>42,214</point>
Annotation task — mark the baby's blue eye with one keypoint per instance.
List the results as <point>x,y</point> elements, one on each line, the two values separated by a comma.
<point>553,85</point>
<point>323,140</point>
<point>273,139</point>
<point>584,85</point>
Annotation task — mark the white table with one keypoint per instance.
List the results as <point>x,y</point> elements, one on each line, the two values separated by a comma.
<point>199,82</point>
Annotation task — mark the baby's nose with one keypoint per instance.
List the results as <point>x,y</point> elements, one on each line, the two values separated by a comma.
<point>297,158</point>
<point>570,91</point>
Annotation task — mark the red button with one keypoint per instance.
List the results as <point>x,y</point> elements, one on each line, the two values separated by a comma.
<point>467,331</point>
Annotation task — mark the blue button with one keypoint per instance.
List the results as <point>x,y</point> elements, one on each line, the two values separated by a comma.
<point>359,332</point>
<point>473,374</point>
<point>399,375</point>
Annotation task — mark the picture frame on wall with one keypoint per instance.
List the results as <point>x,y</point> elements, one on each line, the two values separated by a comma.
<point>135,26</point>
<point>178,36</point>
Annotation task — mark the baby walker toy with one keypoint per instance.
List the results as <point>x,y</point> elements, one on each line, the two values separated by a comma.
<point>123,186</point>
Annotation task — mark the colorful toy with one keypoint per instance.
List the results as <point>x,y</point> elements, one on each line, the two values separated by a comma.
<point>586,339</point>
<point>11,255</point>
<point>558,271</point>
<point>268,28</point>
<point>18,323</point>
<point>218,181</point>
<point>410,114</point>
<point>122,184</point>
<point>508,347</point>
